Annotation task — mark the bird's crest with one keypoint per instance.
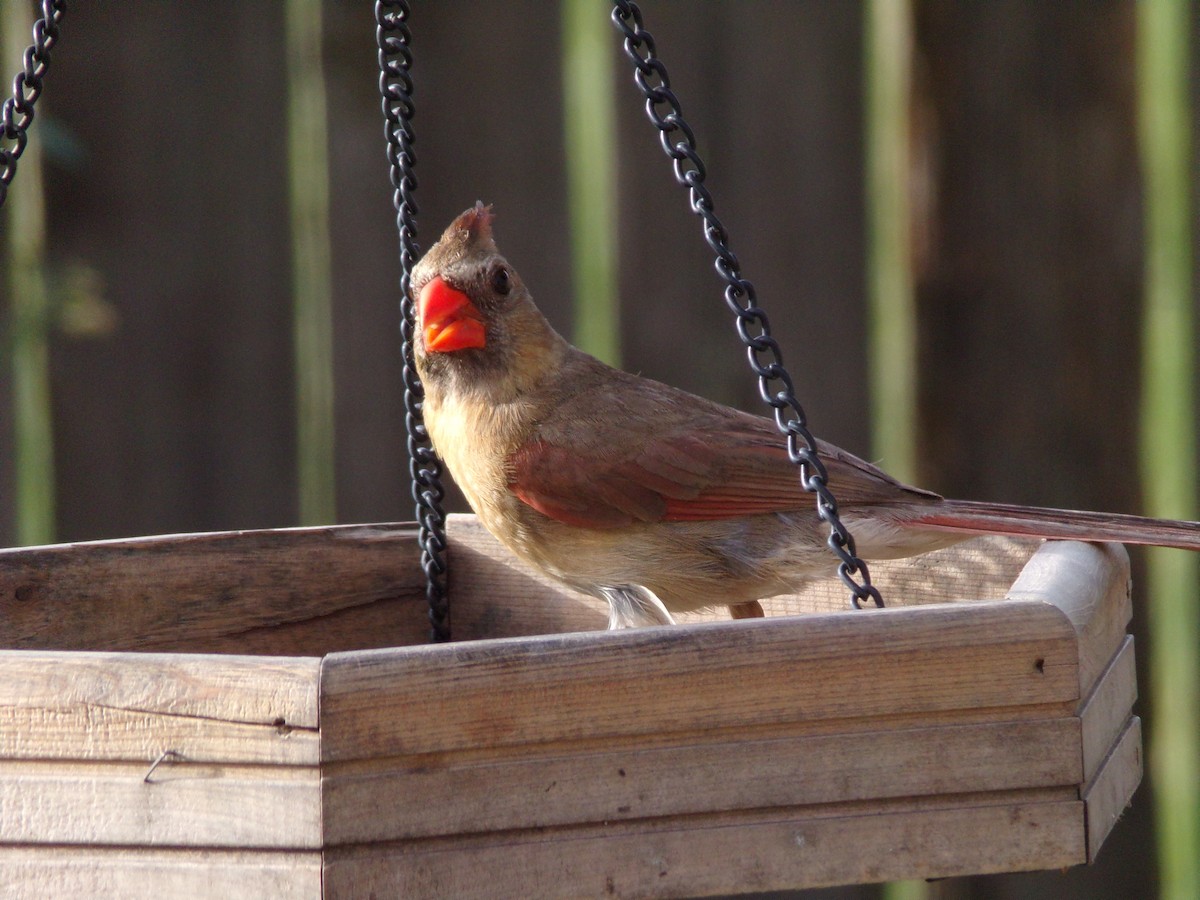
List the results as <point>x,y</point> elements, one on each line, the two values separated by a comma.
<point>468,236</point>
<point>474,225</point>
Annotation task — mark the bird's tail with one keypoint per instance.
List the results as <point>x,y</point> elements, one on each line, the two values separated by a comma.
<point>970,516</point>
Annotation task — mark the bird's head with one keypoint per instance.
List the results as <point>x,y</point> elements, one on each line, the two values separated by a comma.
<point>475,320</point>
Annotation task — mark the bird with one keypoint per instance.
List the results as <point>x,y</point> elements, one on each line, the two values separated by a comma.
<point>651,498</point>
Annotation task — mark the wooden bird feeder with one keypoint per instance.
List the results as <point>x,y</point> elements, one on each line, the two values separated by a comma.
<point>987,729</point>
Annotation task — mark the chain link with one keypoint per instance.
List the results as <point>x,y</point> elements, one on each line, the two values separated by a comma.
<point>774,384</point>
<point>27,87</point>
<point>394,39</point>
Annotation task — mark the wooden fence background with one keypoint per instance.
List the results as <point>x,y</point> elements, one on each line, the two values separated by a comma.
<point>163,126</point>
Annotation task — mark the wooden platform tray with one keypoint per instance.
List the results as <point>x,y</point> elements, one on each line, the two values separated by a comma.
<point>990,730</point>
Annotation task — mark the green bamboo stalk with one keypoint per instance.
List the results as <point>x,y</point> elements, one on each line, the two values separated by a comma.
<point>591,147</point>
<point>891,306</point>
<point>1168,437</point>
<point>33,431</point>
<point>891,316</point>
<point>312,283</point>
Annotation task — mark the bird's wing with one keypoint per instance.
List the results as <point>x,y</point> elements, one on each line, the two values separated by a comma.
<point>719,464</point>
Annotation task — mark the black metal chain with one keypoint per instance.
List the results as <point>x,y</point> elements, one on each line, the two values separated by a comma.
<point>27,87</point>
<point>752,325</point>
<point>394,38</point>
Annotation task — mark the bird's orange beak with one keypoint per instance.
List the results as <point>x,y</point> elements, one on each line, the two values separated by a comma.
<point>449,320</point>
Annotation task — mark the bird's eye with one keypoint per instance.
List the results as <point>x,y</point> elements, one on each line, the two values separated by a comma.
<point>501,281</point>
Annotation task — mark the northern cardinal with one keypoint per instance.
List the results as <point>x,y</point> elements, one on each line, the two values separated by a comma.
<point>649,497</point>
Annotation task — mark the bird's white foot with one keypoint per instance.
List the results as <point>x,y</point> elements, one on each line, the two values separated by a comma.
<point>632,606</point>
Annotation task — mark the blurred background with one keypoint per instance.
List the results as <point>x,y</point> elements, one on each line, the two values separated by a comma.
<point>970,223</point>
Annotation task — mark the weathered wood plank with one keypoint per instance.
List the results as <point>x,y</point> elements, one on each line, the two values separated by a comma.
<point>1112,789</point>
<point>494,594</point>
<point>37,873</point>
<point>102,733</point>
<point>1090,583</point>
<point>693,677</point>
<point>182,805</point>
<point>395,799</point>
<point>92,706</point>
<point>200,591</point>
<point>753,852</point>
<point>394,622</point>
<point>1105,713</point>
<point>242,689</point>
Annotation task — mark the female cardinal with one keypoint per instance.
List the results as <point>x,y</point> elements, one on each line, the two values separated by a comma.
<point>654,499</point>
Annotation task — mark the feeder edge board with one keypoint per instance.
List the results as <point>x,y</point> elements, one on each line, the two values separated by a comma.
<point>681,775</point>
<point>440,698</point>
<point>1090,584</point>
<point>727,857</point>
<point>287,591</point>
<point>36,873</point>
<point>133,706</point>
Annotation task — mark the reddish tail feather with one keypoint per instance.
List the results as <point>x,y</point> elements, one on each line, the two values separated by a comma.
<point>1061,524</point>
